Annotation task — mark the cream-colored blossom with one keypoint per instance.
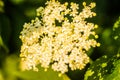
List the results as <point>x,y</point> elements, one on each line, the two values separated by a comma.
<point>59,39</point>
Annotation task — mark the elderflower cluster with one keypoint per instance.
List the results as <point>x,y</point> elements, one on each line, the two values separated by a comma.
<point>58,38</point>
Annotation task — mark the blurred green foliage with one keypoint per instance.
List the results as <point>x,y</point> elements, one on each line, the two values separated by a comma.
<point>12,72</point>
<point>116,32</point>
<point>14,13</point>
<point>104,68</point>
<point>107,67</point>
<point>1,6</point>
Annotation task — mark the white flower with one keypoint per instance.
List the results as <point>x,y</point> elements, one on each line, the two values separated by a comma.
<point>59,39</point>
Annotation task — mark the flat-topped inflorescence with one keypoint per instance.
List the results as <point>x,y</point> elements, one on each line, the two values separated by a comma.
<point>58,37</point>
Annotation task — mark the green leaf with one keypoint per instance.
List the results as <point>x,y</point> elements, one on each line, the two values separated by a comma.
<point>104,68</point>
<point>115,75</point>
<point>116,32</point>
<point>41,75</point>
<point>5,28</point>
<point>12,70</point>
<point>1,6</point>
<point>3,50</point>
<point>1,76</point>
<point>3,45</point>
